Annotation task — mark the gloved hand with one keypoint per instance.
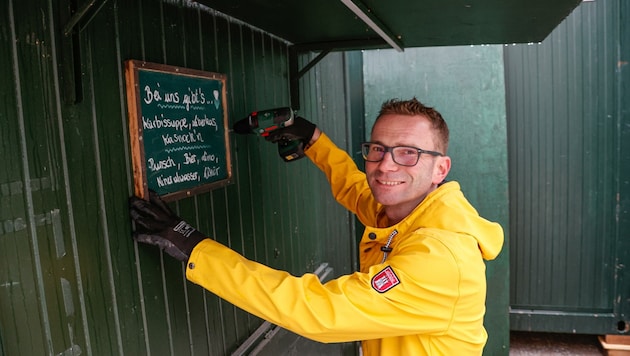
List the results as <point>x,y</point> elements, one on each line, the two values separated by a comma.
<point>301,129</point>
<point>157,225</point>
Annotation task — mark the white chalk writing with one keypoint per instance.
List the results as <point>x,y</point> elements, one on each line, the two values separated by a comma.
<point>164,181</point>
<point>189,137</point>
<point>205,121</point>
<point>209,172</point>
<point>180,128</point>
<point>162,122</point>
<point>155,166</point>
<point>207,157</point>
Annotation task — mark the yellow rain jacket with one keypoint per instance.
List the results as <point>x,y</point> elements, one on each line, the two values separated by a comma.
<point>420,290</point>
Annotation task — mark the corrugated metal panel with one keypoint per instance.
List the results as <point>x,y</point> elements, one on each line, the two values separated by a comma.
<point>71,280</point>
<point>325,104</point>
<point>465,84</point>
<point>564,147</point>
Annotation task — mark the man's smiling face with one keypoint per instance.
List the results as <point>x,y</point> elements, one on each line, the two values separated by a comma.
<point>399,188</point>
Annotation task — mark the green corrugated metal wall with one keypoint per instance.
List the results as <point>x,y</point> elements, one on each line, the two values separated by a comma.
<point>465,84</point>
<point>71,280</point>
<point>569,174</point>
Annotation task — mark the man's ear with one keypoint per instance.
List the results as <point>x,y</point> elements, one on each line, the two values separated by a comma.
<point>442,167</point>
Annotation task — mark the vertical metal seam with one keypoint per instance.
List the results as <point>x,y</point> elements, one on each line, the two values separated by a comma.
<point>122,100</point>
<point>200,35</point>
<point>235,162</point>
<point>196,202</point>
<point>143,307</point>
<point>141,297</point>
<point>167,309</point>
<point>247,155</point>
<point>346,65</point>
<point>169,325</point>
<point>27,187</point>
<point>67,190</point>
<point>242,57</point>
<point>191,343</point>
<point>618,272</point>
<point>205,294</point>
<point>214,230</point>
<point>101,200</point>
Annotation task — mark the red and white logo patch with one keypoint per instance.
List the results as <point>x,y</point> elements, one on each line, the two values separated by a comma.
<point>385,280</point>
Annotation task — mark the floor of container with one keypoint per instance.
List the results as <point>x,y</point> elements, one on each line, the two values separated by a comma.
<point>531,343</point>
<point>521,344</point>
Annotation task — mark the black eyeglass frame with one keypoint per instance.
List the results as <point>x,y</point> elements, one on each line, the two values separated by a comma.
<point>386,149</point>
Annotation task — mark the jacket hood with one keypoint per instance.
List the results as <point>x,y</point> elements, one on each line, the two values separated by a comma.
<point>446,208</point>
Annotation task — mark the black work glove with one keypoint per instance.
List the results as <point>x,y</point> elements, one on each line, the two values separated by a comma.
<point>301,130</point>
<point>157,225</point>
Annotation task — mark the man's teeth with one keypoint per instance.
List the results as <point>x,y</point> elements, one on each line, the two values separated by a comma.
<point>389,182</point>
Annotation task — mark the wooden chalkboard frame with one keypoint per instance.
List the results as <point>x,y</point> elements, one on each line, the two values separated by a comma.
<point>134,108</point>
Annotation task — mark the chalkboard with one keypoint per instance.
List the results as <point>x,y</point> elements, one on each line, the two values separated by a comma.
<point>178,129</point>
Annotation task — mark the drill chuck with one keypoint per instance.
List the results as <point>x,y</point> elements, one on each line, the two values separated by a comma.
<point>243,126</point>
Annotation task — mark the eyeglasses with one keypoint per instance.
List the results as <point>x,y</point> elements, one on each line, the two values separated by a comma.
<point>402,155</point>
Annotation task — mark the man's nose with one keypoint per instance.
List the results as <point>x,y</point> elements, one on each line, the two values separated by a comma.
<point>387,163</point>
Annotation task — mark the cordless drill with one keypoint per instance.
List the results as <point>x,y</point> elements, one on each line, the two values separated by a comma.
<point>263,123</point>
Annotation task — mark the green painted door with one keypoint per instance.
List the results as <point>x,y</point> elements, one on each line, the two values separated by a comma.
<point>567,104</point>
<point>465,84</point>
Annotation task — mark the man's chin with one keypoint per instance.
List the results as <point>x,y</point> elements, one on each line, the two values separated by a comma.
<point>386,199</point>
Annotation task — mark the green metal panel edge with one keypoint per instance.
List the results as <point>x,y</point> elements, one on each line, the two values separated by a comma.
<point>623,237</point>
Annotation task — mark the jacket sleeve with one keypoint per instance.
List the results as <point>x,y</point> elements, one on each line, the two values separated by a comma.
<point>347,182</point>
<point>348,308</point>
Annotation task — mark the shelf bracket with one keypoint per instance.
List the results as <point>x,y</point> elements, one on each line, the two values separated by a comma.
<point>81,13</point>
<point>295,73</point>
<point>370,19</point>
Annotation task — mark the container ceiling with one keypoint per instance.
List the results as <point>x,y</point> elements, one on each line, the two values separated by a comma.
<point>330,24</point>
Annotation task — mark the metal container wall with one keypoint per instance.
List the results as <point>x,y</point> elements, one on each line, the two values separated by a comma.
<point>465,84</point>
<point>569,175</point>
<point>72,281</point>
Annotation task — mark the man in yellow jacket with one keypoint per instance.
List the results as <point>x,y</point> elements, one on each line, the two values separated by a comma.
<point>421,287</point>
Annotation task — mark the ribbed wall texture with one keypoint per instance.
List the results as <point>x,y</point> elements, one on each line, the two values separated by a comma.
<point>465,84</point>
<point>564,152</point>
<point>71,279</point>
